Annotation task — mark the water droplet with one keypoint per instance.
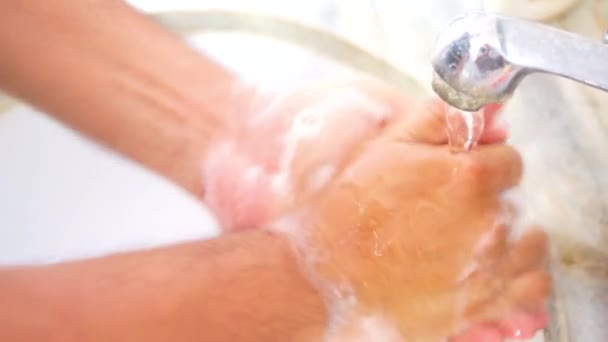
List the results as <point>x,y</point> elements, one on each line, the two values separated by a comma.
<point>377,251</point>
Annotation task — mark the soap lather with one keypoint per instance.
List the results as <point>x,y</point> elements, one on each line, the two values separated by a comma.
<point>481,58</point>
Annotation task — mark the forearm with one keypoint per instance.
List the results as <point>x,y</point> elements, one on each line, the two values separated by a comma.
<point>240,287</point>
<point>112,74</point>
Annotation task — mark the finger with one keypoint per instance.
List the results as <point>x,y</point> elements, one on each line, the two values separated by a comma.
<point>238,192</point>
<point>400,105</point>
<point>425,124</point>
<point>489,169</point>
<point>485,333</point>
<point>492,110</point>
<point>492,132</point>
<point>529,291</point>
<point>325,135</point>
<point>393,97</point>
<point>526,293</point>
<point>523,325</point>
<point>517,325</point>
<point>528,252</point>
<point>492,247</point>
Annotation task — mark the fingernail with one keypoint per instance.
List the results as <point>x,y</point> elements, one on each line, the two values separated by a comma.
<point>522,325</point>
<point>480,334</point>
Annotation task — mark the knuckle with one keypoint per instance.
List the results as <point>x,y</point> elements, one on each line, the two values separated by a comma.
<point>475,172</point>
<point>497,169</point>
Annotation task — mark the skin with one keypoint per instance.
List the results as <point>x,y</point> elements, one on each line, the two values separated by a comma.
<point>365,106</point>
<point>102,75</point>
<point>201,289</point>
<point>438,216</point>
<point>406,123</point>
<point>247,286</point>
<point>241,287</point>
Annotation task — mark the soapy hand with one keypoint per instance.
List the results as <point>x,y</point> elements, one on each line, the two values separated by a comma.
<point>288,146</point>
<point>422,234</point>
<point>416,239</point>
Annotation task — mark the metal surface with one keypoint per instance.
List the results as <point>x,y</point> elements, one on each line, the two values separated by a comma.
<point>481,58</point>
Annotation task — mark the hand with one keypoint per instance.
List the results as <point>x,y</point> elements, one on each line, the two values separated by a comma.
<point>420,236</point>
<point>384,131</point>
<point>286,147</point>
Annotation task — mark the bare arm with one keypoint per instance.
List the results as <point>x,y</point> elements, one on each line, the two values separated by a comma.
<point>240,287</point>
<point>112,74</point>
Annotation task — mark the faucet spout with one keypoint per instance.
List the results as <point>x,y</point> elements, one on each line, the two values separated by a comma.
<point>481,58</point>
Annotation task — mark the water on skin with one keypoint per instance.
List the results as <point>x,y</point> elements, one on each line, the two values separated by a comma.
<point>256,198</point>
<point>383,301</point>
<point>404,277</point>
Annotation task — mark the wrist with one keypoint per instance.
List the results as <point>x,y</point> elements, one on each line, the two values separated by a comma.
<point>342,256</point>
<point>259,287</point>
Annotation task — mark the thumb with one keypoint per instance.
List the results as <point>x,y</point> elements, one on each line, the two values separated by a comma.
<point>427,123</point>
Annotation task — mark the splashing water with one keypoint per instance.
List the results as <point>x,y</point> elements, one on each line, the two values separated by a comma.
<point>464,129</point>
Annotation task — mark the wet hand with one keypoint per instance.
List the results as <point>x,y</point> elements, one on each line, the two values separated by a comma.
<point>287,147</point>
<point>293,147</point>
<point>420,236</point>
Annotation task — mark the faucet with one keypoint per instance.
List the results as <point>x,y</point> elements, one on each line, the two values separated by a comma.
<point>481,58</point>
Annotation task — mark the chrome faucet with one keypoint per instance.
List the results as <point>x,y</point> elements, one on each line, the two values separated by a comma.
<point>481,58</point>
